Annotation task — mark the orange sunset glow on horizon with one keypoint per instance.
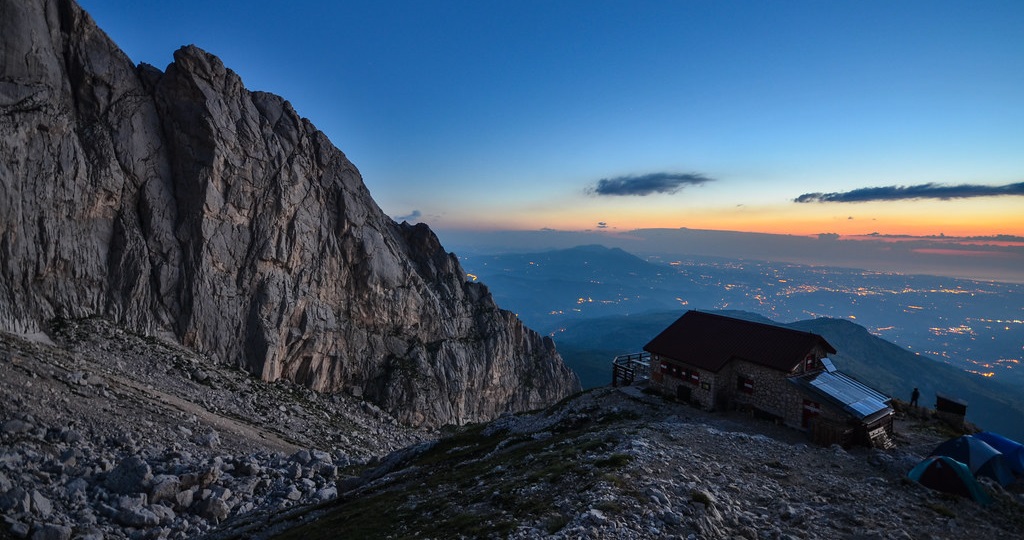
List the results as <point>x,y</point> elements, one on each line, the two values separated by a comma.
<point>960,219</point>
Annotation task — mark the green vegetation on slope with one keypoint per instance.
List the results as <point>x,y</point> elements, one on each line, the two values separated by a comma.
<point>513,480</point>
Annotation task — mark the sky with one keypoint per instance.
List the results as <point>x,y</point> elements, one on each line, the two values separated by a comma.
<point>858,119</point>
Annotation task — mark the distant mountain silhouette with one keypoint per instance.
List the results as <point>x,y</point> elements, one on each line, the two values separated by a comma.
<point>548,288</point>
<point>579,261</point>
<point>588,347</point>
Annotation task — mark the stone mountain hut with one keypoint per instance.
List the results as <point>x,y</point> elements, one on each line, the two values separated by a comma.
<point>724,363</point>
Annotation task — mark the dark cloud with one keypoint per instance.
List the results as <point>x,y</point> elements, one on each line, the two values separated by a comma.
<point>922,191</point>
<point>647,184</point>
<point>602,225</point>
<point>828,236</point>
<point>411,217</point>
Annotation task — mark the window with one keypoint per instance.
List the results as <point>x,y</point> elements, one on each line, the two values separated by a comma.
<point>809,362</point>
<point>693,376</point>
<point>811,411</point>
<point>744,384</point>
<point>670,369</point>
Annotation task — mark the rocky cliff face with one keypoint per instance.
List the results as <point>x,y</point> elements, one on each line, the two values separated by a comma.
<point>181,201</point>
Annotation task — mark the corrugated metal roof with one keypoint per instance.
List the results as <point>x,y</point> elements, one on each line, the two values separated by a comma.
<point>829,366</point>
<point>845,391</point>
<point>710,341</point>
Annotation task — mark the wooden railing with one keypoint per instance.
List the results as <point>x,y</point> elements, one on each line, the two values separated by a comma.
<point>629,368</point>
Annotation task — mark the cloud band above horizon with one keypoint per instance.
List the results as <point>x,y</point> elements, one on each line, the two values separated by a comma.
<point>647,184</point>
<point>921,191</point>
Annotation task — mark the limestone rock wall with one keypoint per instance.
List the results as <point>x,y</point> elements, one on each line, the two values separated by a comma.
<point>179,200</point>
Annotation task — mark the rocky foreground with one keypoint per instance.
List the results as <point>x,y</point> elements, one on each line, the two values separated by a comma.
<point>626,465</point>
<point>108,434</point>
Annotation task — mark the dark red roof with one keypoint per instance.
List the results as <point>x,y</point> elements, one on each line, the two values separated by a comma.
<point>709,341</point>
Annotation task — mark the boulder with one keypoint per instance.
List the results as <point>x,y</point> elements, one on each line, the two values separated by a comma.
<point>326,494</point>
<point>52,531</point>
<point>184,499</point>
<point>212,509</point>
<point>41,506</point>
<point>131,475</point>
<point>210,439</point>
<point>16,501</point>
<point>165,487</point>
<point>137,517</point>
<point>163,513</point>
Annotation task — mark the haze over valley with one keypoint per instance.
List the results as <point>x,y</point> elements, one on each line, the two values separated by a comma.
<point>597,302</point>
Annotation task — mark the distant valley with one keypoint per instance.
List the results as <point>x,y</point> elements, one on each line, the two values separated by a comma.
<point>957,337</point>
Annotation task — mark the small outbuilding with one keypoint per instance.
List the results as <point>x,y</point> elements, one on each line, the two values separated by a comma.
<point>719,362</point>
<point>951,410</point>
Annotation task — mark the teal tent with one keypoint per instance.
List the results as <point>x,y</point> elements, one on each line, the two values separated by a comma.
<point>943,473</point>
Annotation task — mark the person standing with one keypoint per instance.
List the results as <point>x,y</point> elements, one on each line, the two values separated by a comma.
<point>914,397</point>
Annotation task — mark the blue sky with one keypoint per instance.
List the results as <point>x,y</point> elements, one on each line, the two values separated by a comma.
<point>507,115</point>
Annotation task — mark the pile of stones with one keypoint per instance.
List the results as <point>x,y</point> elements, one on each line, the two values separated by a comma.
<point>109,434</point>
<point>55,484</point>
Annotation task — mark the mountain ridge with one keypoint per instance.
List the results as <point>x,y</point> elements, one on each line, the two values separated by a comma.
<point>178,200</point>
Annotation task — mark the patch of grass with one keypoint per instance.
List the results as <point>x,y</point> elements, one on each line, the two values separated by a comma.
<point>474,486</point>
<point>614,461</point>
<point>551,472</point>
<point>591,445</point>
<point>941,509</point>
<point>468,443</point>
<point>556,523</point>
<point>552,409</point>
<point>618,416</point>
<point>357,518</point>
<point>467,524</point>
<point>614,480</point>
<point>609,507</point>
<point>946,430</point>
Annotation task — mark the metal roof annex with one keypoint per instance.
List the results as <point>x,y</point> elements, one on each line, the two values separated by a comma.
<point>852,395</point>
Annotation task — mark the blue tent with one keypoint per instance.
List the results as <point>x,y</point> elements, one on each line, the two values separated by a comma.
<point>980,458</point>
<point>948,475</point>
<point>1013,451</point>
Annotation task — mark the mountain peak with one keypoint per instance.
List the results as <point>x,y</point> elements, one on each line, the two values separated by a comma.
<point>182,202</point>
